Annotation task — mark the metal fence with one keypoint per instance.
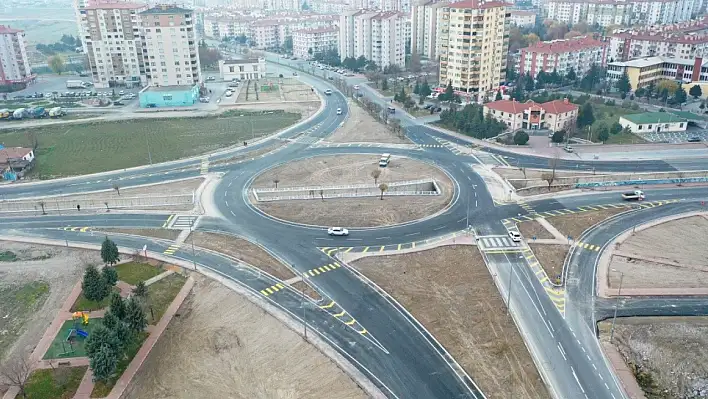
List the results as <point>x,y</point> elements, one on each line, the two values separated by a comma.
<point>57,204</point>
<point>423,187</point>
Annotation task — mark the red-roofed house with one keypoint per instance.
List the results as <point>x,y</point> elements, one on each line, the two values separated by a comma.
<point>15,161</point>
<point>553,115</point>
<point>578,53</point>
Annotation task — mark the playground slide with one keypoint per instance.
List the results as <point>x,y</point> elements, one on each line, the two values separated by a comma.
<point>81,333</point>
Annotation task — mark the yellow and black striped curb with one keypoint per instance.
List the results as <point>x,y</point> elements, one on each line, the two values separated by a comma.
<point>272,289</point>
<point>172,249</point>
<point>554,292</point>
<point>79,229</point>
<point>321,270</point>
<point>340,314</point>
<point>167,222</point>
<point>586,208</point>
<point>587,246</point>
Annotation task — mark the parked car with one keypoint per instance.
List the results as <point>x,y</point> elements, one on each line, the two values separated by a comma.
<point>694,139</point>
<point>337,231</point>
<point>204,99</point>
<point>151,105</point>
<point>118,103</point>
<point>515,236</point>
<point>229,93</point>
<point>427,106</point>
<point>210,79</point>
<point>356,87</point>
<point>120,93</point>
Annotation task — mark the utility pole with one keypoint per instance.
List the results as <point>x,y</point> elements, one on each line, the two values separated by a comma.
<point>194,261</point>
<point>508,297</point>
<point>619,293</point>
<point>302,302</point>
<point>148,148</point>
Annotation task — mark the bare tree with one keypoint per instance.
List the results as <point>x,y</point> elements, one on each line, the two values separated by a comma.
<point>276,181</point>
<point>117,188</point>
<point>549,178</point>
<point>107,208</point>
<point>396,126</point>
<point>553,164</point>
<point>375,174</point>
<point>16,372</point>
<point>42,204</point>
<point>322,194</point>
<point>383,187</point>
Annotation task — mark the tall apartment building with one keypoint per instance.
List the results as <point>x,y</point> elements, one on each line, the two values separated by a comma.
<point>578,54</point>
<point>523,18</point>
<point>424,28</point>
<point>170,46</point>
<point>308,42</point>
<point>218,27</point>
<point>622,12</point>
<point>377,36</point>
<point>111,40</point>
<point>14,65</point>
<point>682,40</point>
<point>473,38</point>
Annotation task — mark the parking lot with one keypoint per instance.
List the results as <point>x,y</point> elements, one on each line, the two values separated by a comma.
<point>691,133</point>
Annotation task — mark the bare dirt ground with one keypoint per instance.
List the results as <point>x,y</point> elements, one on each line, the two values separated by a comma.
<point>575,224</point>
<point>669,355</point>
<point>251,154</point>
<point>531,229</point>
<point>306,109</point>
<point>56,266</point>
<point>166,234</point>
<point>450,291</point>
<point>516,173</point>
<point>223,346</point>
<point>664,256</point>
<point>243,250</point>
<point>309,291</point>
<point>360,127</point>
<point>360,212</point>
<point>551,257</point>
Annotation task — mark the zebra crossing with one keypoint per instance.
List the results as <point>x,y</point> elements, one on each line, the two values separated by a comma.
<point>497,243</point>
<point>205,166</point>
<point>304,139</point>
<point>185,222</point>
<point>489,159</point>
<point>430,145</point>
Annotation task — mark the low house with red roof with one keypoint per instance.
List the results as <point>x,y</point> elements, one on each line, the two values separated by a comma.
<point>15,161</point>
<point>553,115</point>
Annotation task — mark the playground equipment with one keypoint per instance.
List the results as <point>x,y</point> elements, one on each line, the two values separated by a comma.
<point>80,315</point>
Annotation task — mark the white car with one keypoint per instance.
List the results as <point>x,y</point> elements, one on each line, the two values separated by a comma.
<point>356,87</point>
<point>337,231</point>
<point>229,93</point>
<point>339,111</point>
<point>121,92</point>
<point>515,236</point>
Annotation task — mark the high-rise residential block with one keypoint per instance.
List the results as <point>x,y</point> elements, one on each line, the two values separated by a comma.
<point>170,47</point>
<point>111,38</point>
<point>622,12</point>
<point>424,28</point>
<point>578,54</point>
<point>308,42</point>
<point>377,36</point>
<point>473,45</point>
<point>14,65</point>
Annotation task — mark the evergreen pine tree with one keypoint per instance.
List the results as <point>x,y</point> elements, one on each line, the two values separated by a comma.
<point>135,316</point>
<point>94,286</point>
<point>118,306</point>
<point>109,252</point>
<point>103,363</point>
<point>110,276</point>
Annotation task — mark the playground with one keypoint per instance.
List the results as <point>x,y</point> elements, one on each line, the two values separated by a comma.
<point>71,338</point>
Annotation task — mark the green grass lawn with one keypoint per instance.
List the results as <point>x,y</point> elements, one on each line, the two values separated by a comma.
<point>101,146</point>
<point>162,293</point>
<point>625,138</point>
<point>59,346</point>
<point>60,383</point>
<point>16,303</point>
<point>84,304</point>
<point>134,272</point>
<point>102,389</point>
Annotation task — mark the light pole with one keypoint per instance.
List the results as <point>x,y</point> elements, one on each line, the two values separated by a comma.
<point>302,302</point>
<point>619,293</point>
<point>194,261</point>
<point>508,293</point>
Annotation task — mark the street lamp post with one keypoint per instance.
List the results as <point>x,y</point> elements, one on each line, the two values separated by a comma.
<point>619,293</point>
<point>194,260</point>
<point>302,301</point>
<point>508,293</point>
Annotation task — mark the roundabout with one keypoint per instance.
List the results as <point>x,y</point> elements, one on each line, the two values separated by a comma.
<point>391,353</point>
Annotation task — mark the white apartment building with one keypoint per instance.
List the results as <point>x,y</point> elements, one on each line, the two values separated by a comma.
<point>377,36</point>
<point>622,12</point>
<point>424,28</point>
<point>269,33</point>
<point>14,65</point>
<point>328,6</point>
<point>111,38</point>
<point>522,18</point>
<point>682,40</point>
<point>308,42</point>
<point>217,27</point>
<point>244,69</point>
<point>578,54</point>
<point>170,46</point>
<point>473,47</point>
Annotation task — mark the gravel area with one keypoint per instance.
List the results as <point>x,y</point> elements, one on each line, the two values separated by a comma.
<point>450,291</point>
<point>243,250</point>
<point>664,256</point>
<point>551,257</point>
<point>575,224</point>
<point>360,212</point>
<point>223,346</point>
<point>360,127</point>
<point>668,355</point>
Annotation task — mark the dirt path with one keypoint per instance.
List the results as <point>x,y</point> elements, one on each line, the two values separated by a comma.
<point>223,346</point>
<point>360,212</point>
<point>360,127</point>
<point>56,266</point>
<point>450,291</point>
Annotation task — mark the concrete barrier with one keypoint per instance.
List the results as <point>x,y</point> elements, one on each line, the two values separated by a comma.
<point>57,204</point>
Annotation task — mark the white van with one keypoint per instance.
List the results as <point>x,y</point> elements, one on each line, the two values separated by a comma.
<point>385,159</point>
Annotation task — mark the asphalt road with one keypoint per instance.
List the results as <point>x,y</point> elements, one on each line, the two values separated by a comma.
<point>393,350</point>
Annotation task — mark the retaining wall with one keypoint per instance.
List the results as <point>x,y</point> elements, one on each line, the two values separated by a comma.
<point>113,203</point>
<point>406,188</point>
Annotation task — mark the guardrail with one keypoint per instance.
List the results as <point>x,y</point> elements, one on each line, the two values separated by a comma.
<point>49,204</point>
